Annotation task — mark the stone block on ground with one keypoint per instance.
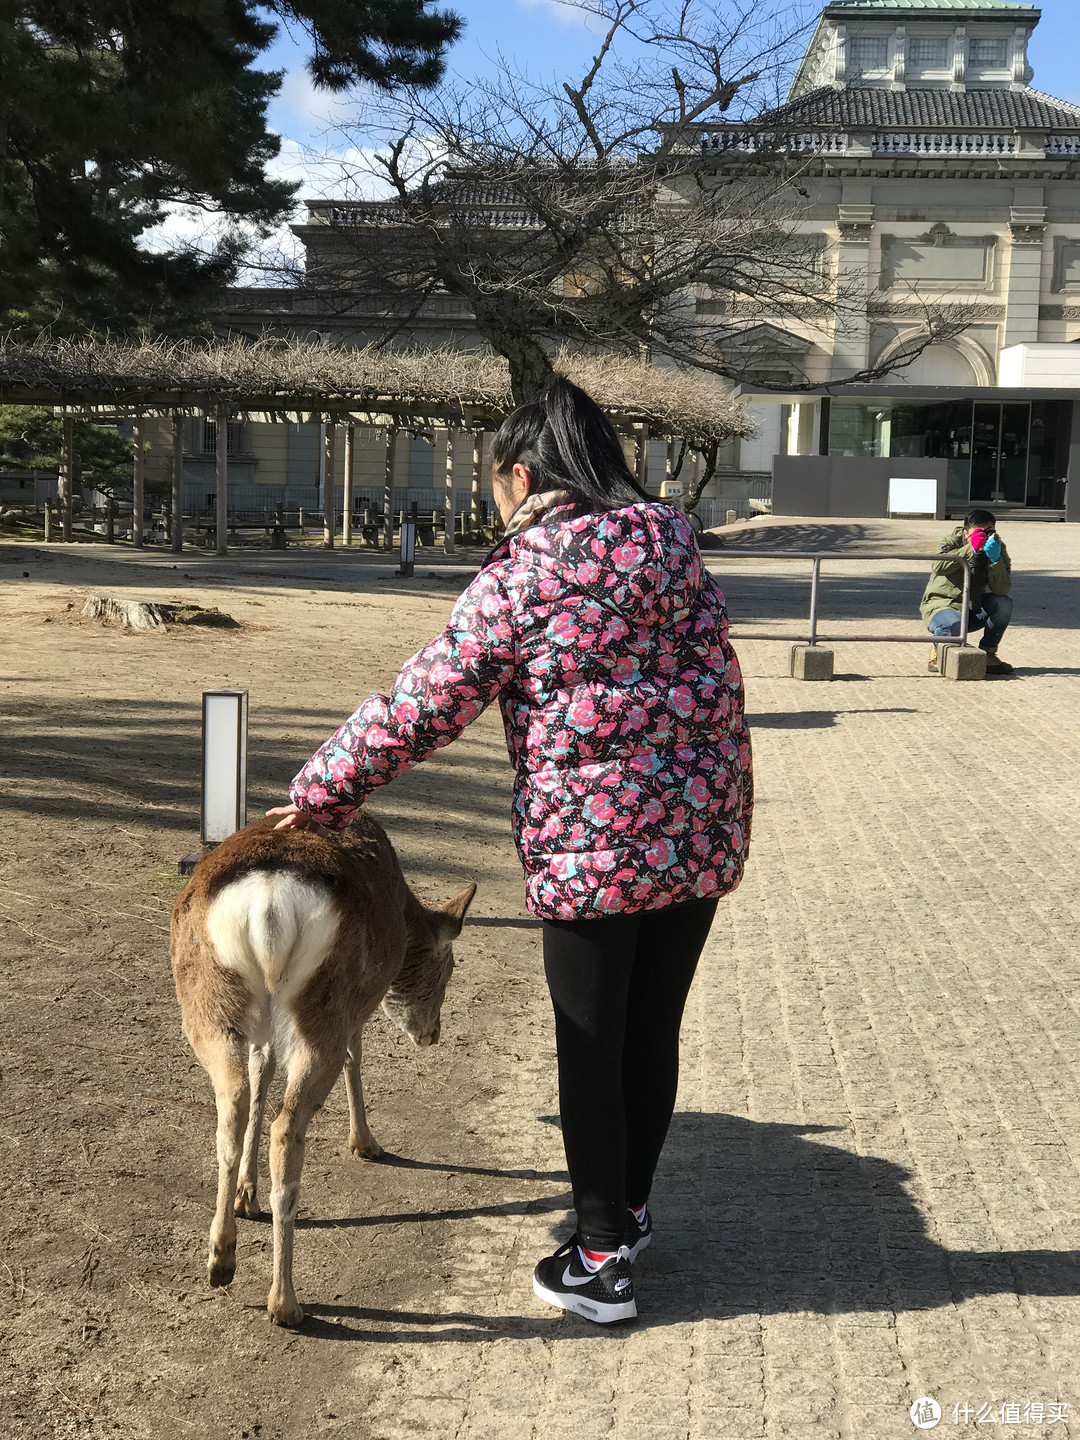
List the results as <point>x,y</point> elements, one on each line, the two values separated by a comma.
<point>962,662</point>
<point>811,662</point>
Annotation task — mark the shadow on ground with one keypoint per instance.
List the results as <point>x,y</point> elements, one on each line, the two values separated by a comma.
<point>129,756</point>
<point>751,1217</point>
<point>820,719</point>
<point>887,591</point>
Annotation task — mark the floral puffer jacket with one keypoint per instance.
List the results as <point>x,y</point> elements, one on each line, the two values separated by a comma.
<point>606,643</point>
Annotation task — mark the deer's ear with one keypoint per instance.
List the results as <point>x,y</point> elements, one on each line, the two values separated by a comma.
<point>451,916</point>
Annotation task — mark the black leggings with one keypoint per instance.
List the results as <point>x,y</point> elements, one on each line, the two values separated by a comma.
<point>619,984</point>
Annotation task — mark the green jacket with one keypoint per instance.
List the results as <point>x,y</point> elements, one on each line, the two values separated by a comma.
<point>945,588</point>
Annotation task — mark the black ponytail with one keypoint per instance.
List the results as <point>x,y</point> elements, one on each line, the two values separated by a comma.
<point>567,443</point>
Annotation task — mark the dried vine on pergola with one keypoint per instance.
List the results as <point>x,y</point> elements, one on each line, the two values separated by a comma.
<point>285,380</point>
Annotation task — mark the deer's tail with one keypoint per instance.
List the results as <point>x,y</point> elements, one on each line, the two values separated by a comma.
<point>274,928</point>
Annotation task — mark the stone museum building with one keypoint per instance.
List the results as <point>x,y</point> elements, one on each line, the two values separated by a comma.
<point>937,175</point>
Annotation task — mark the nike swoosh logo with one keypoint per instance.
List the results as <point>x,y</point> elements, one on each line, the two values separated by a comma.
<point>569,1279</point>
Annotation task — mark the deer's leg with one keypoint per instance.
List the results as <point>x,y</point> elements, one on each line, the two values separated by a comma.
<point>260,1074</point>
<point>225,1063</point>
<point>311,1078</point>
<point>361,1140</point>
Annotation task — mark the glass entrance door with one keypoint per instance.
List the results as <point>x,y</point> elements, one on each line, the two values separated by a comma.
<point>1013,453</point>
<point>999,452</point>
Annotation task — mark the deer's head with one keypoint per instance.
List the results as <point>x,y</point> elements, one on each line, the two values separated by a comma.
<point>414,1000</point>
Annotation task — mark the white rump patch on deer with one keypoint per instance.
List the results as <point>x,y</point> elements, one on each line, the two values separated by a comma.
<point>274,929</point>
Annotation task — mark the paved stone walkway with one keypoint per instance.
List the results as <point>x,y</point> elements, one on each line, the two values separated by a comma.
<point>870,1193</point>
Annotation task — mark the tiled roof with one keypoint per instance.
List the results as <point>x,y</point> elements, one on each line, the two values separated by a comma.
<point>926,5</point>
<point>865,107</point>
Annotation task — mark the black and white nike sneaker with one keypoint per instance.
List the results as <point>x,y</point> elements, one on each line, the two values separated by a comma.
<point>638,1232</point>
<point>603,1295</point>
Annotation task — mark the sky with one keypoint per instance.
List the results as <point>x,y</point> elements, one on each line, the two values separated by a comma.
<point>548,39</point>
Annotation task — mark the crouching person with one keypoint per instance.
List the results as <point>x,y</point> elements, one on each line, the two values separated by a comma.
<point>991,604</point>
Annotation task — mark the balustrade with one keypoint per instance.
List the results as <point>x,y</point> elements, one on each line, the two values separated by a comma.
<point>913,142</point>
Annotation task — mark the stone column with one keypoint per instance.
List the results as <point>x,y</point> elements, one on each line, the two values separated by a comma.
<point>1028,226</point>
<point>851,332</point>
<point>959,58</point>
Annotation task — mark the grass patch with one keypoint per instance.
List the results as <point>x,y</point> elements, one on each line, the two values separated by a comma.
<point>163,880</point>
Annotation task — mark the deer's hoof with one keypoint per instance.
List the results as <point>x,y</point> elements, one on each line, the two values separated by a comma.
<point>367,1150</point>
<point>287,1313</point>
<point>247,1204</point>
<point>221,1272</point>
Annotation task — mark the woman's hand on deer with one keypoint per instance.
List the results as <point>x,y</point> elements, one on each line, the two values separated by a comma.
<point>293,818</point>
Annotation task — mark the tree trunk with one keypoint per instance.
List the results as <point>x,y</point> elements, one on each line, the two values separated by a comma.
<point>709,454</point>
<point>530,369</point>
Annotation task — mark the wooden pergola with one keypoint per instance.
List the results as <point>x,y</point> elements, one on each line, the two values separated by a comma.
<point>464,393</point>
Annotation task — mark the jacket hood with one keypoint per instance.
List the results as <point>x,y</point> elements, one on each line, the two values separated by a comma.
<point>641,561</point>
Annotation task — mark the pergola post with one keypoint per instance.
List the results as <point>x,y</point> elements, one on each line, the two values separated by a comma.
<point>388,488</point>
<point>67,475</point>
<point>449,517</point>
<point>328,495</point>
<point>477,475</point>
<point>347,499</point>
<point>643,456</point>
<point>177,536</point>
<point>138,484</point>
<point>222,473</point>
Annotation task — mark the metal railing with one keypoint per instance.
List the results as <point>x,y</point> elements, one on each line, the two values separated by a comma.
<point>816,557</point>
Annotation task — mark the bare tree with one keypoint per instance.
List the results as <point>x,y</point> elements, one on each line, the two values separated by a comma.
<point>586,213</point>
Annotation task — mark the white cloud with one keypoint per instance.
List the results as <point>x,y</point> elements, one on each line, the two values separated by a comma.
<point>301,111</point>
<point>348,173</point>
<point>573,17</point>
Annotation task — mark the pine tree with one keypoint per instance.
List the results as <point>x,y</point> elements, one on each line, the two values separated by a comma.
<point>113,110</point>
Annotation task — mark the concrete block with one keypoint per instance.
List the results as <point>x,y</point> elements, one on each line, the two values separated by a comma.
<point>811,662</point>
<point>962,662</point>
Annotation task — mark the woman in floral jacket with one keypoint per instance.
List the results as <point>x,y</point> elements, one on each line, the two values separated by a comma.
<point>596,626</point>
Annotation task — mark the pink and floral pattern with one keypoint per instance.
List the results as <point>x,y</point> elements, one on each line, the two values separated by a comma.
<point>606,643</point>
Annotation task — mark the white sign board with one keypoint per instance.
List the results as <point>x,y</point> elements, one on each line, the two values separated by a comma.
<point>913,497</point>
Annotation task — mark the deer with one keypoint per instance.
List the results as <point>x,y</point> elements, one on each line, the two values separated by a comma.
<point>283,945</point>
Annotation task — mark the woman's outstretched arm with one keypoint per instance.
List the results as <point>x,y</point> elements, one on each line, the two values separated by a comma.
<point>440,690</point>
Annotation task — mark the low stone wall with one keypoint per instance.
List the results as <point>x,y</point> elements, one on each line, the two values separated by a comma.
<point>850,485</point>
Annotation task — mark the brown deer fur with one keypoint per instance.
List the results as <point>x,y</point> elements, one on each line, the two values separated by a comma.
<point>283,944</point>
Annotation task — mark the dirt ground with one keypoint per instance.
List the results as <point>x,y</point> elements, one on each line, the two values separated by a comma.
<point>415,1272</point>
